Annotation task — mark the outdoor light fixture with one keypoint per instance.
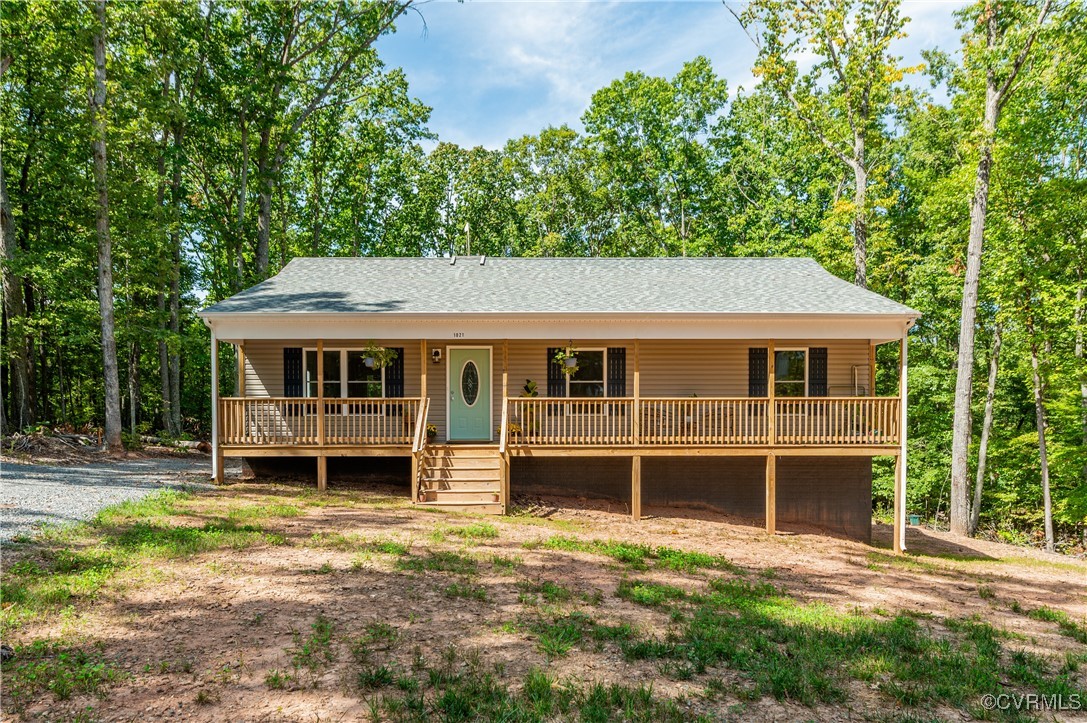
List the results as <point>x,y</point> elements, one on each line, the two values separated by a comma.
<point>436,356</point>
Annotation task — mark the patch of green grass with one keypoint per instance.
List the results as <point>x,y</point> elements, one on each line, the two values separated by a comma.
<point>162,504</point>
<point>374,677</point>
<point>1075,630</point>
<point>505,564</point>
<point>648,593</point>
<point>550,591</point>
<point>557,635</point>
<point>466,590</point>
<point>440,561</point>
<point>60,669</point>
<point>313,651</point>
<point>380,636</point>
<point>638,557</point>
<point>278,679</point>
<point>475,531</point>
<point>267,511</point>
<point>808,652</point>
<point>183,541</point>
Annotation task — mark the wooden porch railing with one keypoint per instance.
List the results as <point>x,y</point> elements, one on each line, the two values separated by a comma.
<point>837,421</point>
<point>700,421</point>
<point>419,438</point>
<point>290,421</point>
<point>696,421</point>
<point>566,421</point>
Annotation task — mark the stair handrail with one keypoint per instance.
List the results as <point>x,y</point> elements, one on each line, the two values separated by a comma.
<point>504,430</point>
<point>420,426</point>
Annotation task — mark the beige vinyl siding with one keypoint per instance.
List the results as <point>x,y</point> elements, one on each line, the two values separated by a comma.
<point>668,368</point>
<point>264,363</point>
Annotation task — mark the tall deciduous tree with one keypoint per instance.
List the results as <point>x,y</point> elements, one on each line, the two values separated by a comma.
<point>105,253</point>
<point>996,49</point>
<point>845,98</point>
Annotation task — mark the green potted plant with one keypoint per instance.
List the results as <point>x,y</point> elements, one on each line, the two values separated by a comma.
<point>431,433</point>
<point>567,359</point>
<point>377,357</point>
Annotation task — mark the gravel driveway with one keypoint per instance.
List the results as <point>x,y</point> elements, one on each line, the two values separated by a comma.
<point>31,495</point>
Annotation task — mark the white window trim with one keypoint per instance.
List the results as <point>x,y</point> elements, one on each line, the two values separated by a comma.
<point>806,359</point>
<point>343,375</point>
<point>605,370</point>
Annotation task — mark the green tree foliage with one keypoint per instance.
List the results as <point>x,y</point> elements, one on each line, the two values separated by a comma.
<point>242,134</point>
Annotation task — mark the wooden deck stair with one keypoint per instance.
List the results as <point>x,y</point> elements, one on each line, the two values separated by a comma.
<point>460,477</point>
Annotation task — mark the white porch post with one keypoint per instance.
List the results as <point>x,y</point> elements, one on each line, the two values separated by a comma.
<point>900,467</point>
<point>216,465</point>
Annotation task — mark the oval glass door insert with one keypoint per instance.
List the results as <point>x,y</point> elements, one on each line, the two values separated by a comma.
<point>469,383</point>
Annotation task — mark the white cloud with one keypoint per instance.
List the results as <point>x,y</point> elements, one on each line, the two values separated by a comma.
<point>496,70</point>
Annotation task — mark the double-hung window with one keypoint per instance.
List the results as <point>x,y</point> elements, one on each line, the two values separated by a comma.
<point>590,379</point>
<point>346,377</point>
<point>791,373</point>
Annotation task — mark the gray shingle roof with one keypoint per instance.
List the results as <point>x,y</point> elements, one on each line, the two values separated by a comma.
<point>559,286</point>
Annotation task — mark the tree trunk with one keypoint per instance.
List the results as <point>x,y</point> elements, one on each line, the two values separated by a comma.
<point>964,381</point>
<point>164,366</point>
<point>860,216</point>
<point>264,204</point>
<point>986,428</point>
<point>105,255</point>
<point>133,385</point>
<point>243,196</point>
<point>22,412</point>
<point>1040,422</point>
<point>1081,313</point>
<point>175,276</point>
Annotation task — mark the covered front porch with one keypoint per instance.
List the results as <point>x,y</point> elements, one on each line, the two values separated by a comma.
<point>615,418</point>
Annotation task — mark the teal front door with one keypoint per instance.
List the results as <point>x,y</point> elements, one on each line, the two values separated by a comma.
<point>469,394</point>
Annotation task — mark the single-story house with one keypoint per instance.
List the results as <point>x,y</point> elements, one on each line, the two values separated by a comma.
<point>745,384</point>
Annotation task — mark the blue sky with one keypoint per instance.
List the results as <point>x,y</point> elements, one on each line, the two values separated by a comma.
<point>498,70</point>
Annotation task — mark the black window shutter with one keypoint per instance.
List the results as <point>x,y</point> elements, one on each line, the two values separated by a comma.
<point>817,371</point>
<point>394,374</point>
<point>292,372</point>
<point>556,381</point>
<point>757,372</point>
<point>394,381</point>
<point>617,372</point>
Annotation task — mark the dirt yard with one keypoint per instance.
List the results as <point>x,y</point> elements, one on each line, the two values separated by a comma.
<point>270,602</point>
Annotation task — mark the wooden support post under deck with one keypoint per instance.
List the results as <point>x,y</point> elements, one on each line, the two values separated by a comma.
<point>899,543</point>
<point>414,477</point>
<point>505,462</point>
<point>216,451</point>
<point>322,473</point>
<point>320,395</point>
<point>771,405</point>
<point>636,488</point>
<point>771,493</point>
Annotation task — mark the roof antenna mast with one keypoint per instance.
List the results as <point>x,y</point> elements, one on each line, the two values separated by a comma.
<point>468,231</point>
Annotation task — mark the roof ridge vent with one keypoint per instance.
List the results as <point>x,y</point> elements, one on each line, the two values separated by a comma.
<point>453,261</point>
<point>483,259</point>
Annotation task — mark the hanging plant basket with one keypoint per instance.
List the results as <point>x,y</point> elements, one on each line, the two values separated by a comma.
<point>567,359</point>
<point>377,357</point>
